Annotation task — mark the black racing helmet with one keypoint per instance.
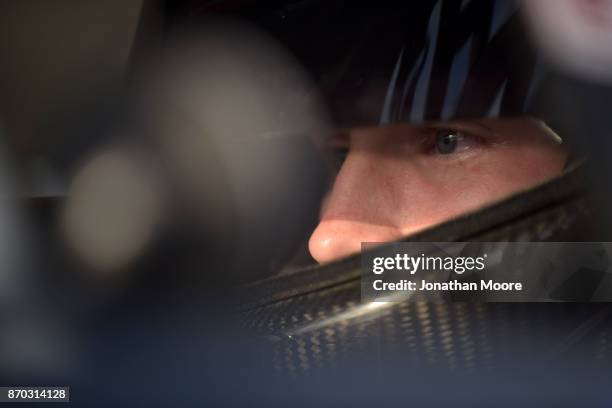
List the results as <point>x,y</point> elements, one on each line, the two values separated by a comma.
<point>366,64</point>
<point>400,61</point>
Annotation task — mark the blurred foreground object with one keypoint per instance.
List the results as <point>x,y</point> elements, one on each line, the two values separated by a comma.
<point>233,117</point>
<point>575,34</point>
<point>113,208</point>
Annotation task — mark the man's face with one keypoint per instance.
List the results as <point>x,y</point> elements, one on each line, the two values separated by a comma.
<point>399,179</point>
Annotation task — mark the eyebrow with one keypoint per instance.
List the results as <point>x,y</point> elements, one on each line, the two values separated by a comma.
<point>461,124</point>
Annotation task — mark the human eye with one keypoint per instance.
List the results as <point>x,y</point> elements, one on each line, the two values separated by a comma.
<point>453,142</point>
<point>449,141</point>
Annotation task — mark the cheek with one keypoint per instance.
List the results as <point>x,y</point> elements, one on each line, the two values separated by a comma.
<point>442,191</point>
<point>521,168</point>
<point>504,171</point>
<point>465,186</point>
<point>455,188</point>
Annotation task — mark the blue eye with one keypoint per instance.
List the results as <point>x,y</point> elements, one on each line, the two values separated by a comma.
<point>447,141</point>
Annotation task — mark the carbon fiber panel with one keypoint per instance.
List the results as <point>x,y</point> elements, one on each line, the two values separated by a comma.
<point>316,319</point>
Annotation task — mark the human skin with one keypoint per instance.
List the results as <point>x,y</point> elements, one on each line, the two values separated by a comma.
<point>400,179</point>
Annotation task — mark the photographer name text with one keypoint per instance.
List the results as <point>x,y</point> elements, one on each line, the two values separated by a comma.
<point>454,285</point>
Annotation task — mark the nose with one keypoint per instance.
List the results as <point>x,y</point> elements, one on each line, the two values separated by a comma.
<point>375,196</point>
<point>335,239</point>
<point>357,209</point>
